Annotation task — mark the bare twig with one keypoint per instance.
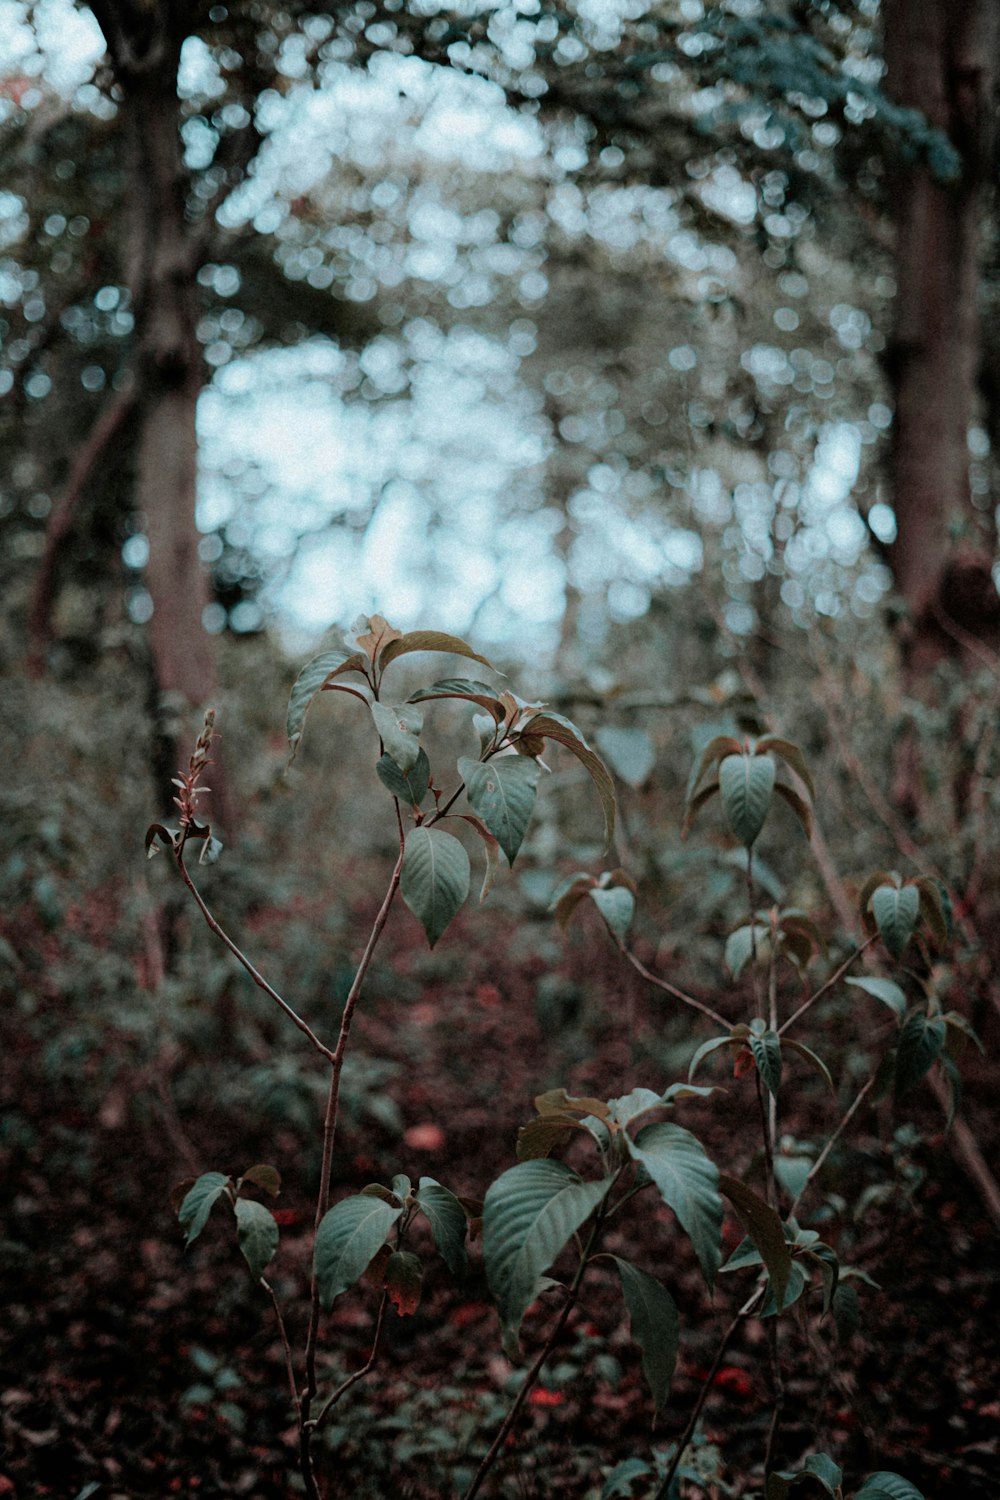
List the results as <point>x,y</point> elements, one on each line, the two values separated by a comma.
<point>826,987</point>
<point>670,989</point>
<point>345,1385</point>
<point>289,1364</point>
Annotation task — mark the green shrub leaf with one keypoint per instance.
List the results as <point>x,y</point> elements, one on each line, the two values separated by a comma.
<point>746,783</point>
<point>883,989</point>
<point>403,1279</point>
<point>550,726</point>
<point>257,1235</point>
<point>766,1049</point>
<point>347,1241</point>
<point>502,792</point>
<point>399,726</point>
<point>435,878</point>
<point>616,905</point>
<point>198,1203</point>
<point>428,640</point>
<point>265,1177</point>
<point>529,1214</point>
<point>808,1055</point>
<point>314,677</point>
<point>764,1227</point>
<point>409,786</point>
<point>895,912</point>
<point>655,1326</point>
<point>688,1183</point>
<point>921,1041</point>
<point>629,752</point>
<point>792,755</point>
<point>460,687</point>
<point>448,1222</point>
<point>885,1485</point>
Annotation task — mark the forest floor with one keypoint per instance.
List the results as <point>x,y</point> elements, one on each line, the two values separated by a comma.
<point>133,1369</point>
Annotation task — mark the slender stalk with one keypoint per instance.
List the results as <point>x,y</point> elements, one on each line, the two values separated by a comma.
<point>342,1389</point>
<point>779,1395</point>
<point>757,1004</point>
<point>834,1138</point>
<point>241,958</point>
<point>825,988</point>
<point>671,989</point>
<point>686,1436</point>
<point>309,1388</point>
<point>289,1363</point>
<point>572,1295</point>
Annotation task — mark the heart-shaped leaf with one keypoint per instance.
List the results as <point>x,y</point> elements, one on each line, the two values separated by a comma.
<point>616,905</point>
<point>746,783</point>
<point>921,1041</point>
<point>435,878</point>
<point>502,792</point>
<point>895,912</point>
<point>349,1237</point>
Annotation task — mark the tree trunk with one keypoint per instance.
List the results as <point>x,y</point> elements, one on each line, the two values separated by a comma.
<point>941,57</point>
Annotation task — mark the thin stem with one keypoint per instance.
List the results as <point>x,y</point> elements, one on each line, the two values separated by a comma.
<point>289,1364</point>
<point>241,958</point>
<point>757,1004</point>
<point>543,1354</point>
<point>779,1395</point>
<point>834,1138</point>
<point>326,1169</point>
<point>824,989</point>
<point>771,1192</point>
<point>316,1422</point>
<point>670,989</point>
<point>686,1436</point>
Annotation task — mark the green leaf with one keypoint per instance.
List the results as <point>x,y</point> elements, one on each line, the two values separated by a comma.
<point>429,640</point>
<point>399,726</point>
<point>818,1468</point>
<point>921,1041</point>
<point>502,792</point>
<point>688,1183</point>
<point>883,989</point>
<point>746,783</point>
<point>884,1484</point>
<point>740,945</point>
<point>629,752</point>
<point>792,755</point>
<point>349,1237</point>
<point>655,1326</point>
<point>491,849</point>
<point>633,1104</point>
<point>616,905</point>
<point>540,1137</point>
<point>716,750</point>
<point>619,1481</point>
<point>846,1312</point>
<point>459,687</point>
<point>554,727</point>
<point>809,1056</point>
<point>265,1177</point>
<point>257,1234</point>
<point>766,1049</point>
<point>409,786</point>
<point>895,912</point>
<point>446,1217</point>
<point>314,677</point>
<point>797,1283</point>
<point>707,1048</point>
<point>764,1227</point>
<point>529,1214</point>
<point>198,1203</point>
<point>435,878</point>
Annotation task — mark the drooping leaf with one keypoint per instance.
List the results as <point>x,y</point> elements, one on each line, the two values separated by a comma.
<point>461,688</point>
<point>348,1239</point>
<point>409,786</point>
<point>825,1257</point>
<point>435,878</point>
<point>633,1104</point>
<point>529,1214</point>
<point>403,1279</point>
<point>448,1222</point>
<point>654,1324</point>
<point>707,1048</point>
<point>895,912</point>
<point>616,905</point>
<point>932,908</point>
<point>569,898</point>
<point>797,1283</point>
<point>688,1183</point>
<point>921,1041</point>
<point>883,989</point>
<point>314,677</point>
<point>716,749</point>
<point>502,792</point>
<point>555,1101</point>
<point>373,634</point>
<point>885,1485</point>
<point>697,802</point>
<point>764,1227</point>
<point>809,1056</point>
<point>846,1308</point>
<point>766,1049</point>
<point>257,1235</point>
<point>629,752</point>
<point>399,726</point>
<point>740,945</point>
<point>549,726</point>
<point>265,1177</point>
<point>429,640</point>
<point>540,1137</point>
<point>873,881</point>
<point>800,807</point>
<point>198,1203</point>
<point>746,783</point>
<point>792,755</point>
<point>491,848</point>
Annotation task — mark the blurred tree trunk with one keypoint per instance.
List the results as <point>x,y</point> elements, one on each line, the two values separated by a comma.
<point>162,248</point>
<point>941,57</point>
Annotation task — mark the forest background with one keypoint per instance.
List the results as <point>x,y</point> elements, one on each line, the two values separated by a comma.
<point>654,349</point>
